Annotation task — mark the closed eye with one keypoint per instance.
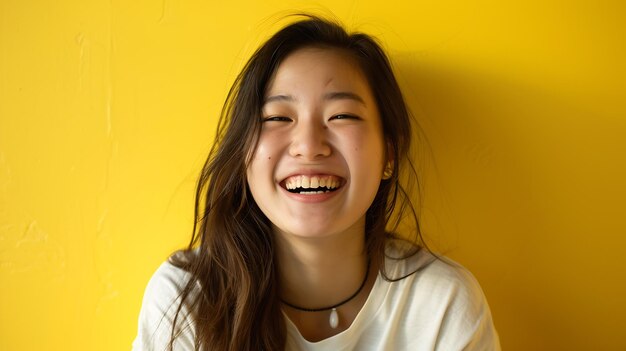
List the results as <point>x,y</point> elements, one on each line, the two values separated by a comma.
<point>344,116</point>
<point>276,119</point>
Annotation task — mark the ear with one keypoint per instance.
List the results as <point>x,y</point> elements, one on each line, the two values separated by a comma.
<point>389,163</point>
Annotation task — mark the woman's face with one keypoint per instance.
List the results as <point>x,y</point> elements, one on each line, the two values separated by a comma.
<point>321,152</point>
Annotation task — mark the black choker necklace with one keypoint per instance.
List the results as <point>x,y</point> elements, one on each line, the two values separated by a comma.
<point>334,317</point>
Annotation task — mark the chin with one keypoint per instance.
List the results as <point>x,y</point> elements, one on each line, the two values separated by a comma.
<point>307,232</point>
<point>311,231</point>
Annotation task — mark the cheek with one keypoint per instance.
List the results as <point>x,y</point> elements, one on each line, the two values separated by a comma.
<point>262,165</point>
<point>366,148</point>
<point>260,153</point>
<point>266,148</point>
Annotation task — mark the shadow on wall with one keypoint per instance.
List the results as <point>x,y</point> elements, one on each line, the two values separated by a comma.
<point>518,176</point>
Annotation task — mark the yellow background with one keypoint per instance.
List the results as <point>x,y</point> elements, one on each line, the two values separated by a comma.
<point>108,109</point>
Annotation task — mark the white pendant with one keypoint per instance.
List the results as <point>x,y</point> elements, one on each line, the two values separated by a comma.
<point>334,318</point>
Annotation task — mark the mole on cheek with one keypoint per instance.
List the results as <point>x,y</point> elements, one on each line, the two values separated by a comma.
<point>269,157</point>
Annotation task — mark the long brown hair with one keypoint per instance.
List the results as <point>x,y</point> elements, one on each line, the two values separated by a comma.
<point>231,256</point>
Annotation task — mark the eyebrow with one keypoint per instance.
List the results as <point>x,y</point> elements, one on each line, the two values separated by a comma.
<point>342,95</point>
<point>339,95</point>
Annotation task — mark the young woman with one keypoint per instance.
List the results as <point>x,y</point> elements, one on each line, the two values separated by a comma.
<point>296,210</point>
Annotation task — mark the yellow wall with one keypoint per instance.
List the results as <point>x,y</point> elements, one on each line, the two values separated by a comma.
<point>107,110</point>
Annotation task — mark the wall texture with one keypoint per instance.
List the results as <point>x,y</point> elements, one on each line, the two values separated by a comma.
<point>108,108</point>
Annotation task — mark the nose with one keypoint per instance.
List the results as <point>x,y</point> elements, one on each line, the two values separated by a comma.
<point>310,140</point>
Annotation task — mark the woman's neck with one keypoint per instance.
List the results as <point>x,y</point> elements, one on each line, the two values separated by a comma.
<point>320,272</point>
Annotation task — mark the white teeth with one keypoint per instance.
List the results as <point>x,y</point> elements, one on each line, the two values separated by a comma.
<point>312,182</point>
<point>315,183</point>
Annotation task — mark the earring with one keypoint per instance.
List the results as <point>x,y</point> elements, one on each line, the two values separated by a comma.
<point>388,172</point>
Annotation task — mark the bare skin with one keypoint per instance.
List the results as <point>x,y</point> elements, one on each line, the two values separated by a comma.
<point>314,326</point>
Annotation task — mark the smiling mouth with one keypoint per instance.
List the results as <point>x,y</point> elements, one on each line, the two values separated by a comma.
<point>309,185</point>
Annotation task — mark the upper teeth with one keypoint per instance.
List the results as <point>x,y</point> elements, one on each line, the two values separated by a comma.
<point>312,182</point>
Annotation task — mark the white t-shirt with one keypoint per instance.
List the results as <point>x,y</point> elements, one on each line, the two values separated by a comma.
<point>440,307</point>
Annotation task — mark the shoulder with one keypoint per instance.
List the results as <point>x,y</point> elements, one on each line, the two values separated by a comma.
<point>445,298</point>
<point>165,286</point>
<point>423,271</point>
<point>160,306</point>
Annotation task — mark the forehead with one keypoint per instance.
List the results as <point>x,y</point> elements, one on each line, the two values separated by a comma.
<point>318,69</point>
